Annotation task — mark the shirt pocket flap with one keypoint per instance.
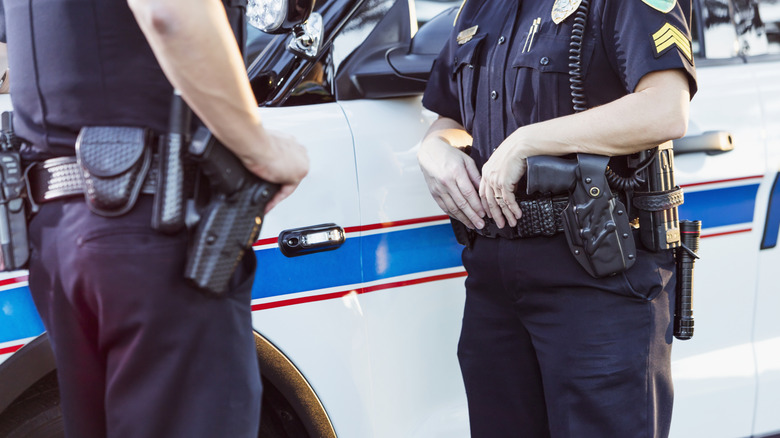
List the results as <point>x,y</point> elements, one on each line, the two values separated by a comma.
<point>546,54</point>
<point>467,53</point>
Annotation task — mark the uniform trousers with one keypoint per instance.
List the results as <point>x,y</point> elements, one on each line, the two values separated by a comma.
<point>548,351</point>
<point>139,352</point>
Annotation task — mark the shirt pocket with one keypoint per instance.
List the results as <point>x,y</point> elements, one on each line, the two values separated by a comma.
<point>465,72</point>
<point>542,87</point>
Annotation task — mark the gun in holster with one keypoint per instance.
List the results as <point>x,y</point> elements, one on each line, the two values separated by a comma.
<point>231,221</point>
<point>596,223</point>
<point>15,249</point>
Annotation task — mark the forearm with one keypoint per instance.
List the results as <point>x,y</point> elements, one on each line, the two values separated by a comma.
<point>655,113</point>
<point>197,50</point>
<point>448,131</point>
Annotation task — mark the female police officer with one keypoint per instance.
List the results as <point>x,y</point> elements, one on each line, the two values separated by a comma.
<point>546,349</point>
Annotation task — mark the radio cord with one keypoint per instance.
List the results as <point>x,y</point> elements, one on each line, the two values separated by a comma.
<point>580,103</point>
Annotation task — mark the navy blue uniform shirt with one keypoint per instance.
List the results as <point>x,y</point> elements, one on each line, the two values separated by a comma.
<point>84,62</point>
<point>514,70</point>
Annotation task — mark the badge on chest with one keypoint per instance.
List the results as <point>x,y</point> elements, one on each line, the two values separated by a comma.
<point>563,8</point>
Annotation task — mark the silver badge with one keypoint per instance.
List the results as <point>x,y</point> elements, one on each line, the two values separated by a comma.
<point>466,35</point>
<point>563,8</point>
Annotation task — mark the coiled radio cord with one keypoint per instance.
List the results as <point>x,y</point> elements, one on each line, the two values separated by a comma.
<point>580,102</point>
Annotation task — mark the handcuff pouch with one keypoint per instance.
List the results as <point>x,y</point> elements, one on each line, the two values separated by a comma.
<point>114,161</point>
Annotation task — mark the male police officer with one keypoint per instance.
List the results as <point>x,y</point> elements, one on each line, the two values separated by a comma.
<point>545,348</point>
<point>139,352</point>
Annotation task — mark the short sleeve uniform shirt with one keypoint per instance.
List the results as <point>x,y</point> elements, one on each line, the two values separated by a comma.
<point>506,63</point>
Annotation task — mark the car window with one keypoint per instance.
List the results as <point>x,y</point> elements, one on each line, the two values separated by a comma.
<point>720,36</point>
<point>769,13</point>
<point>756,24</point>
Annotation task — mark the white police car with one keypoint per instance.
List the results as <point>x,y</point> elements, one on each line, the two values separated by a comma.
<point>358,338</point>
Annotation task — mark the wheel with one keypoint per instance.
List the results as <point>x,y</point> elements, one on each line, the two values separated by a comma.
<point>278,419</point>
<point>36,413</point>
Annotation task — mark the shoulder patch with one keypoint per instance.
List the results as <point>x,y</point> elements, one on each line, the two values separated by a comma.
<point>668,37</point>
<point>661,5</point>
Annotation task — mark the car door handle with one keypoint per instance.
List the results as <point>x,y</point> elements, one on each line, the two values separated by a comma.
<point>710,142</point>
<point>307,240</point>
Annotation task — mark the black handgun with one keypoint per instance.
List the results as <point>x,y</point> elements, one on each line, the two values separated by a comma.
<point>232,219</point>
<point>13,219</point>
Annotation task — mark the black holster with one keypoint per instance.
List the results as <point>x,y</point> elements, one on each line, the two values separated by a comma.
<point>596,223</point>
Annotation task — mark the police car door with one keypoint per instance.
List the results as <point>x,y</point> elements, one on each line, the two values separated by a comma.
<point>758,27</point>
<point>729,190</point>
<point>303,294</point>
<point>413,287</point>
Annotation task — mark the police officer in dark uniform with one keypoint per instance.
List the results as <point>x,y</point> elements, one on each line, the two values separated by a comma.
<point>139,352</point>
<point>546,349</point>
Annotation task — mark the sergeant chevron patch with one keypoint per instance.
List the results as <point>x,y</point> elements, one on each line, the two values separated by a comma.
<point>668,37</point>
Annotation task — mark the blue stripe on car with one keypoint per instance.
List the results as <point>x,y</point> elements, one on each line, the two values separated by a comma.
<point>396,253</point>
<point>721,207</point>
<point>18,317</point>
<point>385,255</point>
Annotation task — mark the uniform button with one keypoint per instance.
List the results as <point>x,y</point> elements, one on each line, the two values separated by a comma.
<point>544,61</point>
<point>494,95</point>
<point>501,40</point>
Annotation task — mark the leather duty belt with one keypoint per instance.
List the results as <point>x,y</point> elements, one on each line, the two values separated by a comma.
<point>541,217</point>
<point>62,177</point>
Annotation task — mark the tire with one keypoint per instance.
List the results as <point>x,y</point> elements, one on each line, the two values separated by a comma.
<point>36,413</point>
<point>278,419</point>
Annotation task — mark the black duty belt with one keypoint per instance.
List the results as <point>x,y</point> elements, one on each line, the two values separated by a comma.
<point>541,217</point>
<point>62,177</point>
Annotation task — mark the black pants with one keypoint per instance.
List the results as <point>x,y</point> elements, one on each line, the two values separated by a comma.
<point>140,353</point>
<point>548,351</point>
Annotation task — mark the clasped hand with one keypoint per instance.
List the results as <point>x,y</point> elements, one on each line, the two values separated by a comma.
<point>497,187</point>
<point>457,187</point>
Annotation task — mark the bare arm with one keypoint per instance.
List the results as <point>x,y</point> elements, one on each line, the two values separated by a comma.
<point>194,44</point>
<point>656,112</point>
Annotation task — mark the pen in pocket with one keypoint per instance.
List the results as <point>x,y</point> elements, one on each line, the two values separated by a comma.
<point>529,40</point>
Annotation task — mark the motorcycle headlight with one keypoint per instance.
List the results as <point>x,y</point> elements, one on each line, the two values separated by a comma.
<point>276,16</point>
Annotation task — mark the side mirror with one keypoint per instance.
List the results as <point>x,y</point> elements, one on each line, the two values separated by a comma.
<point>417,61</point>
<point>390,63</point>
<point>278,16</point>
